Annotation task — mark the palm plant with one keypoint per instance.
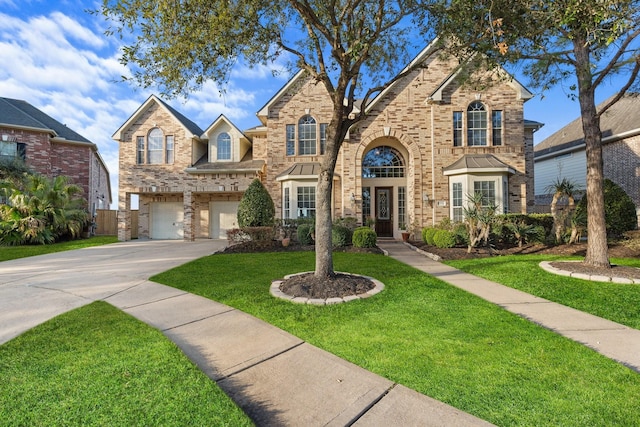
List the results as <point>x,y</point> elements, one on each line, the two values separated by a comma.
<point>562,188</point>
<point>42,212</point>
<point>478,220</point>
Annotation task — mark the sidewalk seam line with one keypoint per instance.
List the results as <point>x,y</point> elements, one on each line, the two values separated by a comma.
<point>273,356</point>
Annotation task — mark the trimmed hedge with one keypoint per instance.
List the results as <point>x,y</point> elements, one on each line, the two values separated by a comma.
<point>444,239</point>
<point>364,237</point>
<point>340,236</point>
<point>304,234</point>
<point>427,235</point>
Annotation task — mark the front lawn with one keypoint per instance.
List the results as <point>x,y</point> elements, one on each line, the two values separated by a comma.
<point>98,366</point>
<point>15,252</point>
<point>619,303</point>
<point>433,338</point>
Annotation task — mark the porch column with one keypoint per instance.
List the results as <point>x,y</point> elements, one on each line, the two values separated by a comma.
<point>189,213</point>
<point>124,216</point>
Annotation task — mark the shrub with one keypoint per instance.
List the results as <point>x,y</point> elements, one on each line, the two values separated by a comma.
<point>236,235</point>
<point>259,234</point>
<point>256,208</point>
<point>340,236</point>
<point>620,212</point>
<point>349,222</point>
<point>427,235</point>
<point>444,239</point>
<point>304,233</point>
<point>364,237</point>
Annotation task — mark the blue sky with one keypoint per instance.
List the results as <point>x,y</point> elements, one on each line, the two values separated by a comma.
<point>55,56</point>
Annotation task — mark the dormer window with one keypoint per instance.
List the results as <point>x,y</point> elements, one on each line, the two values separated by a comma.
<point>224,146</point>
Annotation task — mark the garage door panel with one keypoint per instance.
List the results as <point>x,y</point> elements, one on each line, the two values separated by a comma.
<point>224,216</point>
<point>167,220</point>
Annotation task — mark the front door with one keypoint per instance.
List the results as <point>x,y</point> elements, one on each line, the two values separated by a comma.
<point>384,217</point>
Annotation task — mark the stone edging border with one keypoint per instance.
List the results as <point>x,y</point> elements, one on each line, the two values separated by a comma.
<point>276,292</point>
<point>546,265</point>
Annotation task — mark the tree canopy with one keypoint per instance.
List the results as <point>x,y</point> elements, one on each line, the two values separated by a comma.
<point>585,42</point>
<point>354,48</point>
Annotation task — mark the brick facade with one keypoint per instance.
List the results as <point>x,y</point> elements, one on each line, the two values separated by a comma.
<point>406,118</point>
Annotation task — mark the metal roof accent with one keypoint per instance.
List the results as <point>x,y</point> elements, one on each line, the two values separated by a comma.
<point>474,163</point>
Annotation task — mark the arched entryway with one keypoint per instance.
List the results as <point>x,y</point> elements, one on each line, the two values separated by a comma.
<point>384,189</point>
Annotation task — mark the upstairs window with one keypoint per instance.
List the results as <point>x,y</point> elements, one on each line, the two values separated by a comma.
<point>311,137</point>
<point>169,150</point>
<point>496,127</point>
<point>307,137</point>
<point>457,128</point>
<point>155,147</point>
<point>224,146</point>
<point>476,124</point>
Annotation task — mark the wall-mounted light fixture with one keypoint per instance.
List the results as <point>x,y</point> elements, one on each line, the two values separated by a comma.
<point>425,197</point>
<point>353,198</point>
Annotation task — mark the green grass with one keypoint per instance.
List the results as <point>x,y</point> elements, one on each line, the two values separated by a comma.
<point>433,338</point>
<point>14,252</point>
<point>98,366</point>
<point>616,302</point>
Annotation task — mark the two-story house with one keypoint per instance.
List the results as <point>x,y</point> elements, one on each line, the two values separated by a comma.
<point>427,142</point>
<point>52,149</point>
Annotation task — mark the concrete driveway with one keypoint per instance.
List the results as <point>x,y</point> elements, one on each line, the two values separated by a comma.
<point>35,289</point>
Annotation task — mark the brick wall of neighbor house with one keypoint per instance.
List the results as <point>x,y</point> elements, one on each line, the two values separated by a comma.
<point>38,148</point>
<point>73,161</point>
<point>622,165</point>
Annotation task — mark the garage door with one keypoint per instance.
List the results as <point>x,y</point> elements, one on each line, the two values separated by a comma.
<point>167,220</point>
<point>224,216</point>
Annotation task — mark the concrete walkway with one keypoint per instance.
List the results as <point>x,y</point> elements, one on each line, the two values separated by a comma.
<point>276,378</point>
<point>611,339</point>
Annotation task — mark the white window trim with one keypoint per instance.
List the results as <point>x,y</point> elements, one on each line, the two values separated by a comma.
<point>501,183</point>
<point>293,185</point>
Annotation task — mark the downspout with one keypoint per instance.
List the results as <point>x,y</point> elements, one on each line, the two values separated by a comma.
<point>433,168</point>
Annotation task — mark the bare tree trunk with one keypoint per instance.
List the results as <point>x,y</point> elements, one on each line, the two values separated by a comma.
<point>557,228</point>
<point>324,249</point>
<point>597,249</point>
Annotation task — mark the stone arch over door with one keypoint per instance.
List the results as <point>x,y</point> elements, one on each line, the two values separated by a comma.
<point>400,190</point>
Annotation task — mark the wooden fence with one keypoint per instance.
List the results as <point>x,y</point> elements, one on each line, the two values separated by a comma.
<point>107,223</point>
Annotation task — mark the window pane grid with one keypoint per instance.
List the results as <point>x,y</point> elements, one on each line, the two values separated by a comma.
<point>488,192</point>
<point>457,201</point>
<point>224,146</point>
<point>383,162</point>
<point>402,207</point>
<point>287,204</point>
<point>155,147</point>
<point>457,128</point>
<point>476,124</point>
<point>496,124</point>
<point>306,202</point>
<point>366,204</point>
<point>170,149</point>
<point>291,140</point>
<point>307,136</point>
<point>323,137</point>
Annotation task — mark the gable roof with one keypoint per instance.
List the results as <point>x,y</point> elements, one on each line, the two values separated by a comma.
<point>187,124</point>
<point>264,111</point>
<point>21,114</point>
<point>620,121</point>
<point>221,118</point>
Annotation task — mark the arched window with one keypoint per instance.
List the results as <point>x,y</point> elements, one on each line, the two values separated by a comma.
<point>307,136</point>
<point>383,162</point>
<point>224,146</point>
<point>155,147</point>
<point>476,124</point>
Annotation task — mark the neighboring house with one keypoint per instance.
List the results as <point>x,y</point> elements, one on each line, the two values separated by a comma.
<point>52,149</point>
<point>563,155</point>
<point>426,144</point>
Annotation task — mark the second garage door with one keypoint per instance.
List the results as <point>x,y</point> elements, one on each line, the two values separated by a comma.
<point>224,216</point>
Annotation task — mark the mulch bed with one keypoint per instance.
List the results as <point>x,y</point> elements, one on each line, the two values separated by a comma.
<point>341,285</point>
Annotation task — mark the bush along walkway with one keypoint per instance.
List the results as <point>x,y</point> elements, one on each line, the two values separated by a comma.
<point>608,338</point>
